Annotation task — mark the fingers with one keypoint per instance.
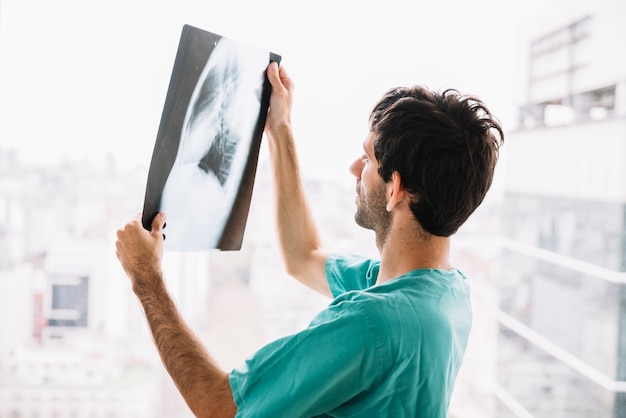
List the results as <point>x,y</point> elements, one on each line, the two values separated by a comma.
<point>278,77</point>
<point>133,231</point>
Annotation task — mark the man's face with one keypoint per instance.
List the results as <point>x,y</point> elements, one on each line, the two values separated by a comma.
<point>371,202</point>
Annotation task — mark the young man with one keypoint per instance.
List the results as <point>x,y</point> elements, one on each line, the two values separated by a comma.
<point>392,340</point>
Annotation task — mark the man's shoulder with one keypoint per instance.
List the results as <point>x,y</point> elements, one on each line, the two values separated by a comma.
<point>346,262</point>
<point>379,305</point>
<point>411,300</point>
<point>347,272</point>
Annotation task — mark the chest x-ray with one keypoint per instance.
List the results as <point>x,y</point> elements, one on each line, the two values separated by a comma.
<point>206,190</point>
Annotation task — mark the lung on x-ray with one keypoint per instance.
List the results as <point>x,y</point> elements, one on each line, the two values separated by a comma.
<point>207,147</point>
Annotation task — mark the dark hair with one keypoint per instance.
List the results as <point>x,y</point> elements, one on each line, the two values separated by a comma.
<point>443,145</point>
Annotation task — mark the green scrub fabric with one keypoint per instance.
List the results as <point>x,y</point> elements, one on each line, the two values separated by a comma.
<point>387,350</point>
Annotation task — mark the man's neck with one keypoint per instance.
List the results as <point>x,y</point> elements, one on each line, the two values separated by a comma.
<point>403,252</point>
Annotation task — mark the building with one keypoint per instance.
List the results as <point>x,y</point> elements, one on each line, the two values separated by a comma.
<point>73,341</point>
<point>561,273</point>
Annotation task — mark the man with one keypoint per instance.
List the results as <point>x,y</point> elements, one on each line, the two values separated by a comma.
<point>391,342</point>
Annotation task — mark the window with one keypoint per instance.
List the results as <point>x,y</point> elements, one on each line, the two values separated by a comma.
<point>70,300</point>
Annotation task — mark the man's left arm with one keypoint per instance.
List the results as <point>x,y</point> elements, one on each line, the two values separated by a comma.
<point>204,386</point>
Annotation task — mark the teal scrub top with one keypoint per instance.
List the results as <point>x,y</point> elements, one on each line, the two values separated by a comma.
<point>392,349</point>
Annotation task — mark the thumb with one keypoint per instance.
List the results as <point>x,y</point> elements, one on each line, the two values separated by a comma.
<point>272,74</point>
<point>158,223</point>
<point>285,80</point>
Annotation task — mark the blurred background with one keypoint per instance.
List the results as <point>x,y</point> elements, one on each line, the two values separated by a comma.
<point>82,87</point>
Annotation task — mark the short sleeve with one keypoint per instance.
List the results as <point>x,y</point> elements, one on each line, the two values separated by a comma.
<point>312,372</point>
<point>350,272</point>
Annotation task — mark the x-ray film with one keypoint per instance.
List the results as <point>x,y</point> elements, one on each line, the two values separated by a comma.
<point>207,147</point>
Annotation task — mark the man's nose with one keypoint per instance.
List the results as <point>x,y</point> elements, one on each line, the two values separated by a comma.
<point>356,167</point>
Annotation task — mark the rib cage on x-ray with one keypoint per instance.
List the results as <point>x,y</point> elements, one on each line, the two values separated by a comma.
<point>220,157</point>
<point>216,95</point>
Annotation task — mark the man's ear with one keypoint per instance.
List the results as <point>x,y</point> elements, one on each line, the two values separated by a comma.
<point>395,192</point>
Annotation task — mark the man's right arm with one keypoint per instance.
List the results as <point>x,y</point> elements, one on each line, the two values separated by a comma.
<point>297,234</point>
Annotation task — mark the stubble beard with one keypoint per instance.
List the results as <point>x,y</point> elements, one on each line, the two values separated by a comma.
<point>371,213</point>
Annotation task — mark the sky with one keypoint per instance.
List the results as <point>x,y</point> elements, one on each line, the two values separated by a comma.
<point>81,79</point>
